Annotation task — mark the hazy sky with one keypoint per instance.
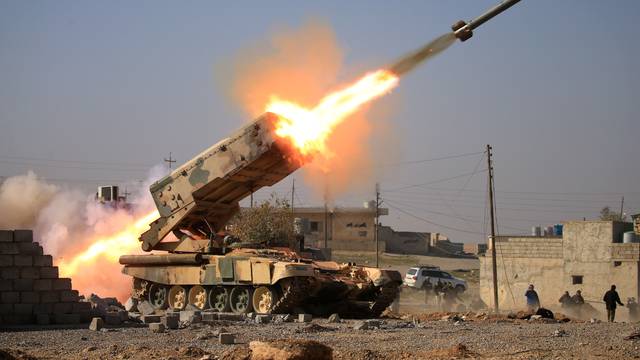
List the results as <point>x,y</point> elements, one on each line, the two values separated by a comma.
<point>97,92</point>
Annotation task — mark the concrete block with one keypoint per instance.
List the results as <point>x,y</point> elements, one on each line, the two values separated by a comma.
<point>6,285</point>
<point>231,317</point>
<point>263,319</point>
<point>17,319</point>
<point>22,235</point>
<point>23,309</point>
<point>112,318</point>
<point>6,260</point>
<point>9,248</point>
<point>145,308</point>
<point>29,248</point>
<point>171,320</point>
<point>150,319</point>
<point>209,316</point>
<point>10,297</point>
<point>226,338</point>
<point>9,273</point>
<point>43,319</point>
<point>42,285</point>
<point>49,272</point>
<point>156,328</point>
<point>69,296</point>
<point>61,284</point>
<point>96,324</point>
<point>191,315</point>
<point>66,318</point>
<point>303,318</point>
<point>6,236</point>
<point>43,309</point>
<point>62,308</point>
<point>81,306</point>
<point>6,309</point>
<point>30,273</point>
<point>30,297</point>
<point>85,316</point>
<point>48,297</point>
<point>131,305</point>
<point>43,260</point>
<point>22,284</point>
<point>124,315</point>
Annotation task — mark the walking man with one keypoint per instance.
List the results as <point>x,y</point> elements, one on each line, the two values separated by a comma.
<point>533,302</point>
<point>611,298</point>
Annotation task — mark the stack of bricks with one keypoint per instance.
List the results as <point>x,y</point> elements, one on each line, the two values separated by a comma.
<point>31,292</point>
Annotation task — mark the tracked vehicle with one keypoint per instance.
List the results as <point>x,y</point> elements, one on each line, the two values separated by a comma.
<point>195,265</point>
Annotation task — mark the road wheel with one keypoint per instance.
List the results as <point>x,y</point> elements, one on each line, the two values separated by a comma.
<point>264,299</point>
<point>240,299</point>
<point>158,296</point>
<point>177,297</point>
<point>219,299</point>
<point>198,297</point>
<point>459,289</point>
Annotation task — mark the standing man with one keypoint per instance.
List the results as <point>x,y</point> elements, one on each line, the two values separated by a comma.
<point>533,302</point>
<point>565,300</point>
<point>611,298</point>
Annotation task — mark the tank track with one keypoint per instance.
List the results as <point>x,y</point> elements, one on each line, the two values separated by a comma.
<point>292,296</point>
<point>388,293</point>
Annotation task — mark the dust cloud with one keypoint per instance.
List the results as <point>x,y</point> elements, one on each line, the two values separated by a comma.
<point>69,223</point>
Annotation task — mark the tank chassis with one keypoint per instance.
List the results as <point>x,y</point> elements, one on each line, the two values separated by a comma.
<point>197,200</point>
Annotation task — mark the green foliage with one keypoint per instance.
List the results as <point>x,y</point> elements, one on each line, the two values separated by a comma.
<point>607,214</point>
<point>270,223</point>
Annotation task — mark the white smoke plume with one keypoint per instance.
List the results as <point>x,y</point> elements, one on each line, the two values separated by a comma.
<point>68,223</point>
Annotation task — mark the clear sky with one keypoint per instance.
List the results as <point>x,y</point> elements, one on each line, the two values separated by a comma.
<point>97,92</point>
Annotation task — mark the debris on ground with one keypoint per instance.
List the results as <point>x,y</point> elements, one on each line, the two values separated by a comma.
<point>633,336</point>
<point>290,349</point>
<point>314,328</point>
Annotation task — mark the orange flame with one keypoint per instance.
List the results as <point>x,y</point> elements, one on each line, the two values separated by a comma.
<point>308,129</point>
<point>92,268</point>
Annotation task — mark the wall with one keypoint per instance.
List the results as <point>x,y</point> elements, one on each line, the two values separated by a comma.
<point>522,261</point>
<point>405,242</point>
<point>586,249</point>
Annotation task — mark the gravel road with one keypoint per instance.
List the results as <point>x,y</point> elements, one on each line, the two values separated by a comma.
<point>491,338</point>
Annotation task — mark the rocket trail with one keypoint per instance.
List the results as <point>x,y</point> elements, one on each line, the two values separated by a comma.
<point>426,52</point>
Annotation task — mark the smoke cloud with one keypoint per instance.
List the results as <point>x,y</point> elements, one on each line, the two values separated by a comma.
<point>303,65</point>
<point>69,223</point>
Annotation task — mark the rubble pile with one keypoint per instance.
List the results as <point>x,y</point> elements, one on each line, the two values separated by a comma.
<point>31,291</point>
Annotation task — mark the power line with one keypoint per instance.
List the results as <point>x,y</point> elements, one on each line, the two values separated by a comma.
<point>434,181</point>
<point>74,161</point>
<point>431,222</point>
<point>410,162</point>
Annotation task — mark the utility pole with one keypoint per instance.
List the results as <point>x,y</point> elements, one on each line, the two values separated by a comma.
<point>621,209</point>
<point>170,160</point>
<point>293,192</point>
<point>494,266</point>
<point>326,220</point>
<point>375,232</point>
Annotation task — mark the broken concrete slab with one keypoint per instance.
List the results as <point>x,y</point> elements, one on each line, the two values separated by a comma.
<point>171,320</point>
<point>303,318</point>
<point>262,319</point>
<point>131,305</point>
<point>145,308</point>
<point>192,316</point>
<point>157,328</point>
<point>96,324</point>
<point>334,318</point>
<point>150,319</point>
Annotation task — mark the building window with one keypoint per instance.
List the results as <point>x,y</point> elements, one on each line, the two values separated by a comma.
<point>576,279</point>
<point>617,263</point>
<point>314,226</point>
<point>362,233</point>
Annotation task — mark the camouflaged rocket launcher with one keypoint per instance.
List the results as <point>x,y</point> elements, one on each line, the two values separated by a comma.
<point>197,200</point>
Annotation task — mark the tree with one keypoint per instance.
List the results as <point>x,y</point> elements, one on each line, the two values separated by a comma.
<point>607,214</point>
<point>269,223</point>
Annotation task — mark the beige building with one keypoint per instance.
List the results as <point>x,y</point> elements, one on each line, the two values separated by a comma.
<point>589,256</point>
<point>343,228</point>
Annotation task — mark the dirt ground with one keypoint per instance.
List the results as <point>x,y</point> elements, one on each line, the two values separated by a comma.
<point>498,338</point>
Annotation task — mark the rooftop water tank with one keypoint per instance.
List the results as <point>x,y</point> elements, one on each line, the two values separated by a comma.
<point>557,229</point>
<point>630,237</point>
